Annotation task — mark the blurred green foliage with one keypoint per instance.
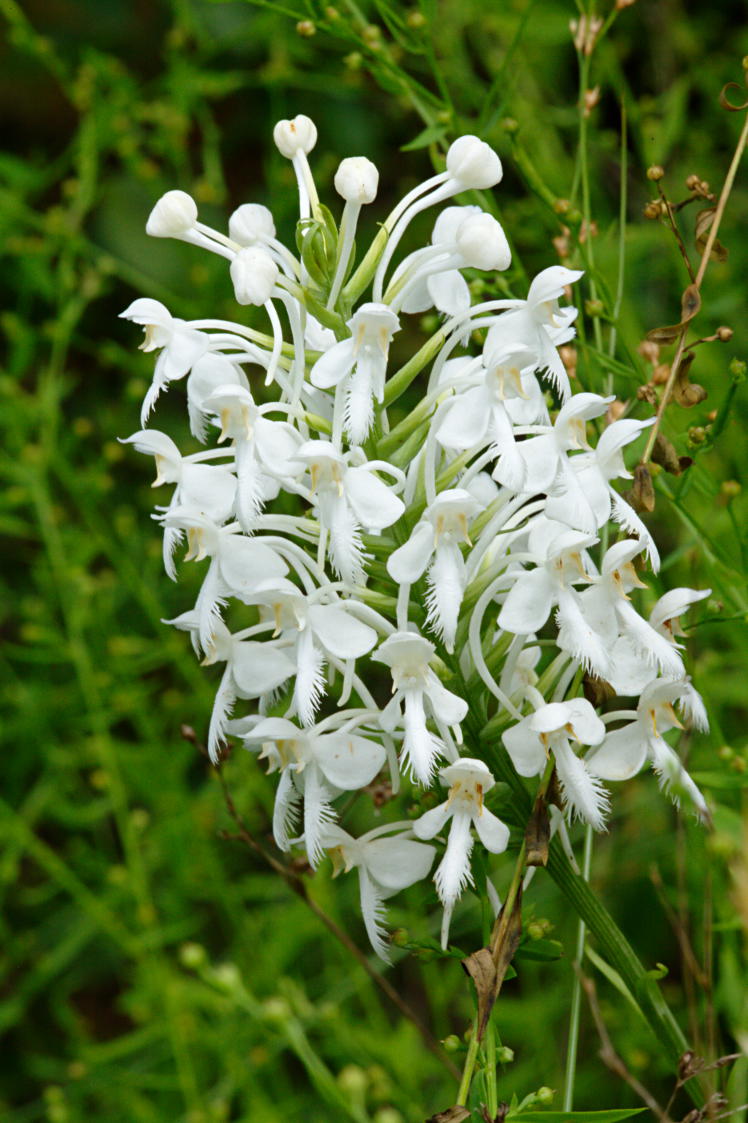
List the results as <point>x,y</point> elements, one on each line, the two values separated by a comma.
<point>153,971</point>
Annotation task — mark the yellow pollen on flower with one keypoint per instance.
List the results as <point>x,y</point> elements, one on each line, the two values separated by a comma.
<point>653,716</point>
<point>454,791</point>
<point>479,797</point>
<point>225,423</point>
<point>338,860</point>
<point>439,529</point>
<point>314,473</point>
<point>193,543</point>
<point>288,751</point>
<point>463,525</point>
<point>160,461</point>
<point>277,617</point>
<point>384,341</point>
<point>618,582</point>
<point>148,333</point>
<point>673,716</point>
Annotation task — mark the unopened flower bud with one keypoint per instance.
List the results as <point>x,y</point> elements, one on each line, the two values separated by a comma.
<point>175,213</point>
<point>298,135</point>
<point>473,163</point>
<point>544,1095</point>
<point>353,1079</point>
<point>692,182</point>
<point>724,334</point>
<point>452,1043</point>
<point>652,209</point>
<point>482,243</point>
<point>193,956</point>
<point>357,179</point>
<point>306,28</point>
<point>251,223</point>
<point>504,1055</point>
<point>738,370</point>
<point>655,172</point>
<point>254,274</point>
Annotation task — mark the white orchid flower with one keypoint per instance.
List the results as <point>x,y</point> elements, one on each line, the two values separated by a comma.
<point>547,466</point>
<point>315,766</point>
<point>631,672</point>
<point>435,543</point>
<point>415,684</point>
<point>180,345</point>
<point>209,489</point>
<point>238,564</point>
<point>463,237</point>
<point>348,497</point>
<point>478,416</point>
<point>561,557</point>
<point>624,751</point>
<point>318,633</point>
<point>608,610</point>
<point>253,670</point>
<point>264,449</point>
<point>385,866</point>
<point>594,471</point>
<point>549,730</point>
<point>541,325</point>
<point>359,364</point>
<point>468,781</point>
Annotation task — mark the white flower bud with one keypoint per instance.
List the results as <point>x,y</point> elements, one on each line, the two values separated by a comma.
<point>357,179</point>
<point>482,243</point>
<point>254,274</point>
<point>473,163</point>
<point>299,135</point>
<point>251,223</point>
<point>175,213</point>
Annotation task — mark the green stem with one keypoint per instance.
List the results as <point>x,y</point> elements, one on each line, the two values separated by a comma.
<point>491,1089</point>
<point>576,993</point>
<point>467,1072</point>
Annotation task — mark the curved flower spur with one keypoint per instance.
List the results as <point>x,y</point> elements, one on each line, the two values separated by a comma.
<point>335,530</point>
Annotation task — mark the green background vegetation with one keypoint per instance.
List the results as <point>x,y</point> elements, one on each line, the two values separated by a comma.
<point>151,971</point>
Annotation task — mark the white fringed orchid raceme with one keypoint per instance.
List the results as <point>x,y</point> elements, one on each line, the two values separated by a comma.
<point>319,508</point>
<point>468,781</point>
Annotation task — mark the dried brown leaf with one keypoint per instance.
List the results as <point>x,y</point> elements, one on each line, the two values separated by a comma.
<point>690,303</point>
<point>538,833</point>
<point>704,220</point>
<point>689,307</point>
<point>642,494</point>
<point>481,968</point>
<point>665,455</point>
<point>687,393</point>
